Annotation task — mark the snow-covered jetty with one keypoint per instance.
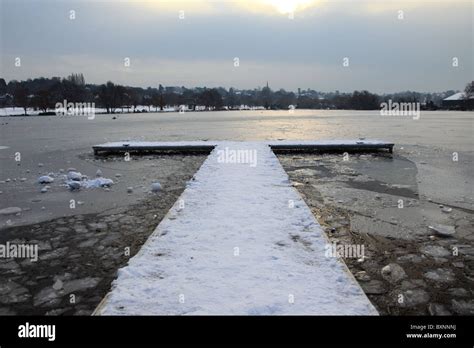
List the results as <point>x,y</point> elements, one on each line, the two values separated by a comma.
<point>239,240</point>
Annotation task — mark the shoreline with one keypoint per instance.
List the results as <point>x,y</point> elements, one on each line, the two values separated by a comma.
<point>52,113</point>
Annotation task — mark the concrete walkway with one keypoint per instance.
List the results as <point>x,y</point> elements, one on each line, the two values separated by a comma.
<point>240,240</point>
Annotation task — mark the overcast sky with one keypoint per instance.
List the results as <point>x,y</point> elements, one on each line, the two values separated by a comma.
<point>290,44</point>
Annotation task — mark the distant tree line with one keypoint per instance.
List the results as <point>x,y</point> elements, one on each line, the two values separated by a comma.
<point>43,94</point>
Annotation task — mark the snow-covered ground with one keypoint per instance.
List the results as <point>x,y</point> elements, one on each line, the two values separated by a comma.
<point>17,111</point>
<point>240,240</point>
<point>13,111</point>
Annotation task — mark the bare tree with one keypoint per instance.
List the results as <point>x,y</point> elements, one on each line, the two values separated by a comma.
<point>107,96</point>
<point>20,97</point>
<point>469,90</point>
<point>43,100</point>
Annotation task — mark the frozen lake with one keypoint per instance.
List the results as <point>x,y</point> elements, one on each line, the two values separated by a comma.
<point>63,142</point>
<point>37,135</point>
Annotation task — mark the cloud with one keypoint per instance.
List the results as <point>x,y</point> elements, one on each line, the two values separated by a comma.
<point>386,53</point>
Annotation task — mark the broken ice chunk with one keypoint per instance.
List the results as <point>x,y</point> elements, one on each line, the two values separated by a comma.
<point>45,179</point>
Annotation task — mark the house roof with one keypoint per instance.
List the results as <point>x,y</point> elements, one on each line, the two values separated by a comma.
<point>458,96</point>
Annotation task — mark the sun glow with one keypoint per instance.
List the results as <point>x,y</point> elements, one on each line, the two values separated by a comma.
<point>194,7</point>
<point>289,6</point>
<point>284,7</point>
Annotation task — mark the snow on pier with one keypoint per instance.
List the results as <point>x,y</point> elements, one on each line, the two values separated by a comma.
<point>206,146</point>
<point>239,240</point>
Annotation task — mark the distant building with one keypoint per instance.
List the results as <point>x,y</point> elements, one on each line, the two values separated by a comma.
<point>458,101</point>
